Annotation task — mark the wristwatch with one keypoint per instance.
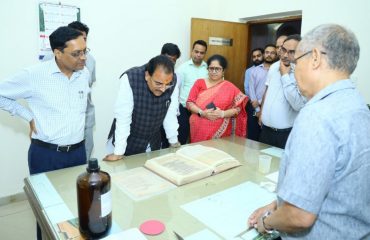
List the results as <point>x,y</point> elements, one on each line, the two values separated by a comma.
<point>268,213</point>
<point>200,113</point>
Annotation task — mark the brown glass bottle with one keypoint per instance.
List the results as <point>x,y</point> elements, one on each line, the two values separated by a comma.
<point>94,201</point>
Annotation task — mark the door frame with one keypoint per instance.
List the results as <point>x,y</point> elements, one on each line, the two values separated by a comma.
<point>251,23</point>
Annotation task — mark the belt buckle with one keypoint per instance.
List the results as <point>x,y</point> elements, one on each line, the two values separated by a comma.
<point>60,150</point>
<point>275,129</point>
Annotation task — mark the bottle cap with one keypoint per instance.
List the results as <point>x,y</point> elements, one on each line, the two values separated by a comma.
<point>93,165</point>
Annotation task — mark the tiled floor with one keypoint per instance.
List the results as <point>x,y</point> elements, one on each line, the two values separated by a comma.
<point>17,221</point>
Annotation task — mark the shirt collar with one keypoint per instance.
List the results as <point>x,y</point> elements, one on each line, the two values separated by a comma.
<point>337,86</point>
<point>203,64</point>
<point>54,68</point>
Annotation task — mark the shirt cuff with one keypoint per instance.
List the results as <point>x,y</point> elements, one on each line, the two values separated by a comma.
<point>119,150</point>
<point>287,80</point>
<point>299,201</point>
<point>173,140</point>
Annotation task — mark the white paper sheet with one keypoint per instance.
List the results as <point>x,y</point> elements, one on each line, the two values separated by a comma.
<point>58,213</point>
<point>130,234</point>
<point>140,183</point>
<point>274,151</point>
<point>273,176</point>
<point>226,212</point>
<point>202,235</point>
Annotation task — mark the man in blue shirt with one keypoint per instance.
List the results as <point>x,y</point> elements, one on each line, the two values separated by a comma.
<point>257,59</point>
<point>323,187</point>
<point>56,92</point>
<point>257,87</point>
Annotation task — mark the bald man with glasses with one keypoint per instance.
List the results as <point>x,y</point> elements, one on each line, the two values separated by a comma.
<point>323,187</point>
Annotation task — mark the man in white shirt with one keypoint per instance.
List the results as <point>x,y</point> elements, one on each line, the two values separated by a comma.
<point>148,98</point>
<point>90,110</point>
<point>56,92</point>
<point>282,100</point>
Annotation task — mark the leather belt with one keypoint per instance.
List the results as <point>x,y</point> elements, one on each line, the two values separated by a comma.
<point>277,129</point>
<point>56,147</point>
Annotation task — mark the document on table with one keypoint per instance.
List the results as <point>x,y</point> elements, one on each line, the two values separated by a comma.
<point>227,212</point>
<point>274,151</point>
<point>202,235</point>
<point>130,234</point>
<point>140,183</point>
<point>273,176</point>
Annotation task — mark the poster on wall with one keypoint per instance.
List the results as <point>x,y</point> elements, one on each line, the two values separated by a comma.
<point>52,16</point>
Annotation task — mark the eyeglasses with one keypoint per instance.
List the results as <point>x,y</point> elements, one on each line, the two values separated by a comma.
<point>160,85</point>
<point>294,61</point>
<point>215,69</point>
<point>283,50</point>
<point>80,53</point>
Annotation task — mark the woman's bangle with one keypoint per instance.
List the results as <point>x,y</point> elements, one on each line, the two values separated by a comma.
<point>200,113</point>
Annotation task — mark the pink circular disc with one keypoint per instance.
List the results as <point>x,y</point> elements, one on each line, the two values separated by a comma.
<point>152,227</point>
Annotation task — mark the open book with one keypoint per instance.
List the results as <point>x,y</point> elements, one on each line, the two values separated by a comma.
<point>191,163</point>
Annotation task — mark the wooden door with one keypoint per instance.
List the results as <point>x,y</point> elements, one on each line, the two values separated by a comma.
<point>236,54</point>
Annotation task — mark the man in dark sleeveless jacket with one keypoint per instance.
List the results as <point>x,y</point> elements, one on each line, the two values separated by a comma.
<point>148,98</point>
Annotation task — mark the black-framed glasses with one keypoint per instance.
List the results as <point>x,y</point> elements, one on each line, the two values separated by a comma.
<point>215,69</point>
<point>79,53</point>
<point>294,61</point>
<point>283,50</point>
<point>160,85</point>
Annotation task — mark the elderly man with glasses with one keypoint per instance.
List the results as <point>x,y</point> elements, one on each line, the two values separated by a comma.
<point>147,99</point>
<point>282,100</point>
<point>323,188</point>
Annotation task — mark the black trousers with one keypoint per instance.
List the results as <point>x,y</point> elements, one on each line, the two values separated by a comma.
<point>254,129</point>
<point>274,137</point>
<point>184,126</point>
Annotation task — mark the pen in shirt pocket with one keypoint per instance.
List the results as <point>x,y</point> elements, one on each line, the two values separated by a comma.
<point>81,94</point>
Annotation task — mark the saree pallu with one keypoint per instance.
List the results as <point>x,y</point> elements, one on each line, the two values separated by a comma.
<point>224,96</point>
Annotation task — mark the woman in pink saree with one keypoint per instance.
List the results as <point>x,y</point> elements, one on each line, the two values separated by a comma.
<point>214,102</point>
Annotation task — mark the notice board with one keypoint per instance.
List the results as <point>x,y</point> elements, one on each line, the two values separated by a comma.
<point>52,16</point>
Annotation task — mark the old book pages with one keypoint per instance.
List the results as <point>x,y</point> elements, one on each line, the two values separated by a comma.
<point>191,163</point>
<point>140,183</point>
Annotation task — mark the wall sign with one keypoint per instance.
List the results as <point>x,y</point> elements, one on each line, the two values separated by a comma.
<point>218,41</point>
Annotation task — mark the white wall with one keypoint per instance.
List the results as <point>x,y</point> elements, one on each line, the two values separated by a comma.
<point>128,33</point>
